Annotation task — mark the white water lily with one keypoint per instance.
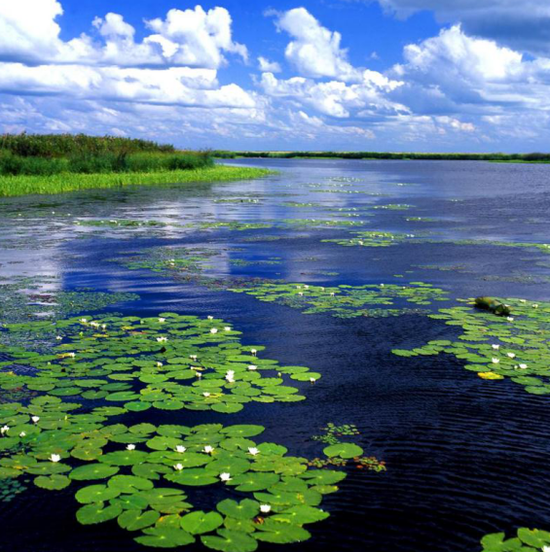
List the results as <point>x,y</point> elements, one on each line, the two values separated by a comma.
<point>161,339</point>
<point>252,367</point>
<point>535,306</point>
<point>312,380</point>
<point>104,326</point>
<point>35,419</point>
<point>511,355</point>
<point>523,366</point>
<point>72,355</point>
<point>300,293</point>
<point>131,447</point>
<point>227,328</point>
<point>495,360</point>
<point>4,429</point>
<point>198,374</point>
<point>58,337</point>
<point>94,324</point>
<point>254,352</point>
<point>159,364</point>
<point>22,434</point>
<point>332,293</point>
<point>55,458</point>
<point>253,451</point>
<point>83,321</point>
<point>225,477</point>
<point>208,449</point>
<point>265,508</point>
<point>214,330</point>
<point>180,449</point>
<point>161,320</point>
<point>178,467</point>
<point>193,357</point>
<point>495,347</point>
<point>206,394</point>
<point>510,318</point>
<point>210,318</point>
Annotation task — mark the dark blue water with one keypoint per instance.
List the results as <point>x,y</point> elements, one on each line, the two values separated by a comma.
<point>465,456</point>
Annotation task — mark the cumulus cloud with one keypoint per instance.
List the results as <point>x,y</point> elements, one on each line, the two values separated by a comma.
<point>267,66</point>
<point>314,51</point>
<point>523,25</point>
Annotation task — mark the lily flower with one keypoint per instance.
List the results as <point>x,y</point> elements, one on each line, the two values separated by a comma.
<point>58,337</point>
<point>178,467</point>
<point>208,449</point>
<point>35,419</point>
<point>495,360</point>
<point>210,318</point>
<point>161,339</point>
<point>510,318</point>
<point>265,508</point>
<point>511,355</point>
<point>523,366</point>
<point>253,351</point>
<point>72,355</point>
<point>180,449</point>
<point>131,447</point>
<point>252,367</point>
<point>253,450</point>
<point>214,330</point>
<point>159,364</point>
<point>55,458</point>
<point>312,380</point>
<point>161,320</point>
<point>227,328</point>
<point>193,357</point>
<point>225,477</point>
<point>206,394</point>
<point>495,347</point>
<point>4,429</point>
<point>22,434</point>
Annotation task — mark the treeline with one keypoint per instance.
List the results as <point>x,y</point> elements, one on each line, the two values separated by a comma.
<point>524,157</point>
<point>46,155</point>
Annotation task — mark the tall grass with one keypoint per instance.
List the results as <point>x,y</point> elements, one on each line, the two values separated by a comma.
<point>104,162</point>
<point>70,182</point>
<point>64,145</point>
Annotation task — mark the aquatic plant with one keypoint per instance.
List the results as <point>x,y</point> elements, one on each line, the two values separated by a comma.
<point>514,347</point>
<point>527,540</point>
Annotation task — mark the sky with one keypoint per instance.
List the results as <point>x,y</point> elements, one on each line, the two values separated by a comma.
<point>341,75</point>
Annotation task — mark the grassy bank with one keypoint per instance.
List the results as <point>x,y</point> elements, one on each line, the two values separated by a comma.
<point>70,182</point>
<point>372,155</point>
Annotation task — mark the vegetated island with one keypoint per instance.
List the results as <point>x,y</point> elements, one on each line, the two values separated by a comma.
<point>372,155</point>
<point>57,163</point>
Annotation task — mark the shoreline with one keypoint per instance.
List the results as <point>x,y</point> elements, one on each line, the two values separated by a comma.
<point>13,186</point>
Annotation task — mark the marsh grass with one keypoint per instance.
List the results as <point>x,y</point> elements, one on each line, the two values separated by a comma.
<point>69,182</point>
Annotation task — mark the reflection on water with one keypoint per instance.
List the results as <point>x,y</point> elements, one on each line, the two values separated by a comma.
<point>465,457</point>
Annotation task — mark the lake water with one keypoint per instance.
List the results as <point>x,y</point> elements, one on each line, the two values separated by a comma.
<point>464,456</point>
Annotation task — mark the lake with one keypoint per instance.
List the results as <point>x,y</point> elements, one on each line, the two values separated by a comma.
<point>463,455</point>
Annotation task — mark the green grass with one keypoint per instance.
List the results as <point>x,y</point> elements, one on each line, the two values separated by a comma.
<point>69,182</point>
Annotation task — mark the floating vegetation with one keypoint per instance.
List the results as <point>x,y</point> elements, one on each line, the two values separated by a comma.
<point>542,247</point>
<point>261,262</point>
<point>238,200</point>
<point>341,453</point>
<point>372,239</point>
<point>346,301</point>
<point>527,540</point>
<point>394,207</point>
<point>122,223</point>
<point>10,488</point>
<point>420,219</point>
<point>140,474</point>
<point>316,223</point>
<point>515,347</point>
<point>239,226</point>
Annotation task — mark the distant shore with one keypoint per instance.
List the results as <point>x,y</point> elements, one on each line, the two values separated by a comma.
<point>369,155</point>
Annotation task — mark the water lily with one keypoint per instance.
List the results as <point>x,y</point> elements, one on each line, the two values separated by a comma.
<point>161,320</point>
<point>83,321</point>
<point>72,355</point>
<point>198,374</point>
<point>225,477</point>
<point>495,360</point>
<point>193,357</point>
<point>55,458</point>
<point>131,447</point>
<point>252,367</point>
<point>58,337</point>
<point>312,380</point>
<point>332,293</point>
<point>94,324</point>
<point>300,293</point>
<point>214,330</point>
<point>104,326</point>
<point>178,467</point>
<point>265,508</point>
<point>161,339</point>
<point>206,394</point>
<point>253,450</point>
<point>22,434</point>
<point>35,419</point>
<point>510,318</point>
<point>495,347</point>
<point>535,306</point>
<point>180,449</point>
<point>523,366</point>
<point>511,355</point>
<point>210,318</point>
<point>253,351</point>
<point>208,449</point>
<point>227,328</point>
<point>4,429</point>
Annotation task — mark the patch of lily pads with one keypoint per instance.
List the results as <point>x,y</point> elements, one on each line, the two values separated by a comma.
<point>346,301</point>
<point>527,540</point>
<point>372,238</point>
<point>514,347</point>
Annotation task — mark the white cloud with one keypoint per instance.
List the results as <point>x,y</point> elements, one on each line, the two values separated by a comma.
<point>267,66</point>
<point>314,51</point>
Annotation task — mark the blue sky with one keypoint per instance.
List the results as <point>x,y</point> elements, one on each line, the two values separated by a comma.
<point>399,75</point>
